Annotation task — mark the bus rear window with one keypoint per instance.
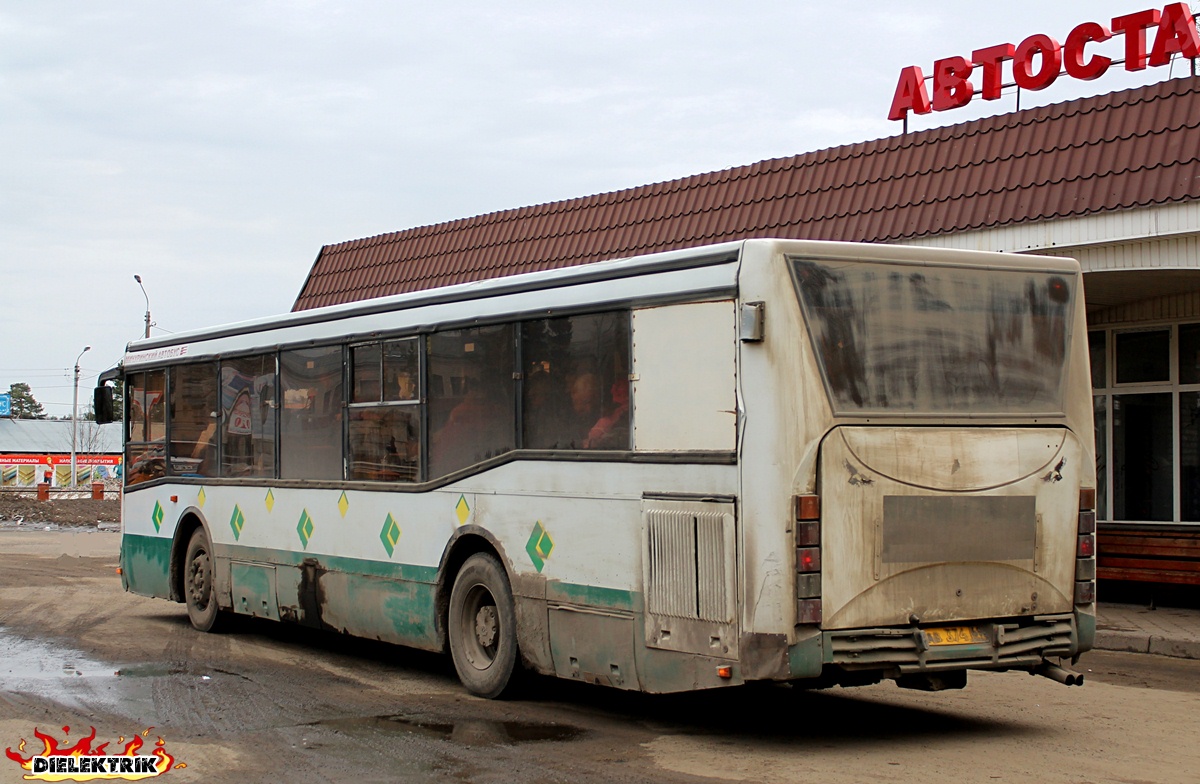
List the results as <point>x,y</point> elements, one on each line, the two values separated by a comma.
<point>909,338</point>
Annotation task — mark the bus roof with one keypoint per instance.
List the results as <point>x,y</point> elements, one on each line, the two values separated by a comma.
<point>361,317</point>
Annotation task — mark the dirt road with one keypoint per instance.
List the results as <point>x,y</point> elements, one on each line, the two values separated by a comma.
<point>269,702</point>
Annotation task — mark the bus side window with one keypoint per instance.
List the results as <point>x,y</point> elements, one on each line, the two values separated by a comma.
<point>145,415</point>
<point>193,415</point>
<point>248,416</point>
<point>385,415</point>
<point>471,412</point>
<point>576,382</point>
<point>310,438</point>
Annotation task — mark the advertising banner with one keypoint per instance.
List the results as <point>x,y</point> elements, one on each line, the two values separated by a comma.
<point>5,404</point>
<point>28,470</point>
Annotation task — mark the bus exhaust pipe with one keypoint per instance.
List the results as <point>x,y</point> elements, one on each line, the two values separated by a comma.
<point>1060,674</point>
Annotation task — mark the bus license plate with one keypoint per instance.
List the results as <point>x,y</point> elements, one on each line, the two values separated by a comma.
<point>955,635</point>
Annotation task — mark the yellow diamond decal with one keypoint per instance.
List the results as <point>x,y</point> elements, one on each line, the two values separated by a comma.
<point>200,498</point>
<point>270,501</point>
<point>343,504</point>
<point>462,509</point>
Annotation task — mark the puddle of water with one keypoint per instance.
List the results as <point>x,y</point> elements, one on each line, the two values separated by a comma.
<point>35,660</point>
<point>149,670</point>
<point>468,732</point>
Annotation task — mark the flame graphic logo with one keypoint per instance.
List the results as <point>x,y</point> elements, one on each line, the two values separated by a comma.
<point>82,762</point>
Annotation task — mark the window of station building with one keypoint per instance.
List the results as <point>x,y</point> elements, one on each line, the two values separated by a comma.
<point>1098,355</point>
<point>1189,455</point>
<point>1143,484</point>
<point>472,416</point>
<point>1097,351</point>
<point>313,395</point>
<point>1100,422</point>
<point>385,413</point>
<point>575,390</point>
<point>1189,354</point>
<point>248,412</point>
<point>1147,423</point>
<point>193,419</point>
<point>146,419</point>
<point>1143,357</point>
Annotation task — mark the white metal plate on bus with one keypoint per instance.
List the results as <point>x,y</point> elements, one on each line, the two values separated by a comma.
<point>684,393</point>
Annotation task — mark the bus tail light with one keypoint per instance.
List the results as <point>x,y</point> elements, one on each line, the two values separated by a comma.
<point>808,559</point>
<point>1085,550</point>
<point>808,611</point>
<point>808,507</point>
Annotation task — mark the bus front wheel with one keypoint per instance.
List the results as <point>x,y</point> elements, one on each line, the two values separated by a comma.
<point>483,627</point>
<point>198,591</point>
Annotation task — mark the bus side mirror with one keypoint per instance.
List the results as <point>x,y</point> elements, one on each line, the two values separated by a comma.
<point>102,404</point>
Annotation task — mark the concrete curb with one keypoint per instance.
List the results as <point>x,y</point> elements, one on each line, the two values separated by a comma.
<point>1139,642</point>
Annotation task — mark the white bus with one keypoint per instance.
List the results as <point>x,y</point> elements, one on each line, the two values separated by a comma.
<point>768,460</point>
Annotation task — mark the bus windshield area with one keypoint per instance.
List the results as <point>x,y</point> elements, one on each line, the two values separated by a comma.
<point>939,340</point>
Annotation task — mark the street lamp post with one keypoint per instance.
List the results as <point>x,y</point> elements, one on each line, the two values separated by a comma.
<point>138,278</point>
<point>75,417</point>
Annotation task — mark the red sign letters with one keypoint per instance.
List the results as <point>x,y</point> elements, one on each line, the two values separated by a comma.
<point>1039,60</point>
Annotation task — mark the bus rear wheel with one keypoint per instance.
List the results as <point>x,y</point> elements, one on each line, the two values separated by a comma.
<point>483,627</point>
<point>198,591</point>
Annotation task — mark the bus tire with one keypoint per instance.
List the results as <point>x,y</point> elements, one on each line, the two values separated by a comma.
<point>483,627</point>
<point>199,593</point>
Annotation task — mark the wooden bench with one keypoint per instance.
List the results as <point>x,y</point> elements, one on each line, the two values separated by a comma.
<point>1166,556</point>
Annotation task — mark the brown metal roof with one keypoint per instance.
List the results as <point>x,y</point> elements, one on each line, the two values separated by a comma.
<point>1133,148</point>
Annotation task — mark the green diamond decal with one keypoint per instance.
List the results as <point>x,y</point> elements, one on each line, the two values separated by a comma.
<point>390,535</point>
<point>157,515</point>
<point>539,546</point>
<point>236,522</point>
<point>305,528</point>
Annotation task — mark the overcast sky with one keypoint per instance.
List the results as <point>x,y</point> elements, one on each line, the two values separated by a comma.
<point>214,147</point>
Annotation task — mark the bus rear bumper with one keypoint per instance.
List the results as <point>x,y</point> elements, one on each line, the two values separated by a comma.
<point>1019,643</point>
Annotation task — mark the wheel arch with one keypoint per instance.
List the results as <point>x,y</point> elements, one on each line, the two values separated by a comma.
<point>191,519</point>
<point>466,541</point>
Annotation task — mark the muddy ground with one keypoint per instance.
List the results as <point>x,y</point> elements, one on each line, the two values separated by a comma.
<point>66,511</point>
<point>269,702</point>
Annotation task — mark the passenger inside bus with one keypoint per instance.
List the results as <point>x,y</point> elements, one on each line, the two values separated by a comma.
<point>585,409</point>
<point>611,431</point>
<point>475,430</point>
<point>546,420</point>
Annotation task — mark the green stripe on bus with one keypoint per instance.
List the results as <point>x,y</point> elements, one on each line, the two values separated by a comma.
<point>146,564</point>
<point>593,596</point>
<point>331,563</point>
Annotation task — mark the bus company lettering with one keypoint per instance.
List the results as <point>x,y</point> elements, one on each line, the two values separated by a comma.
<point>171,352</point>
<point>1038,60</point>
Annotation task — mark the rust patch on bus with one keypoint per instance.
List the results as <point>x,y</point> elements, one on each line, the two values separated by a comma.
<point>857,478</point>
<point>310,595</point>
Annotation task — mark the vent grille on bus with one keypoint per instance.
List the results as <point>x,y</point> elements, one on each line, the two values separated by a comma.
<point>688,575</point>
